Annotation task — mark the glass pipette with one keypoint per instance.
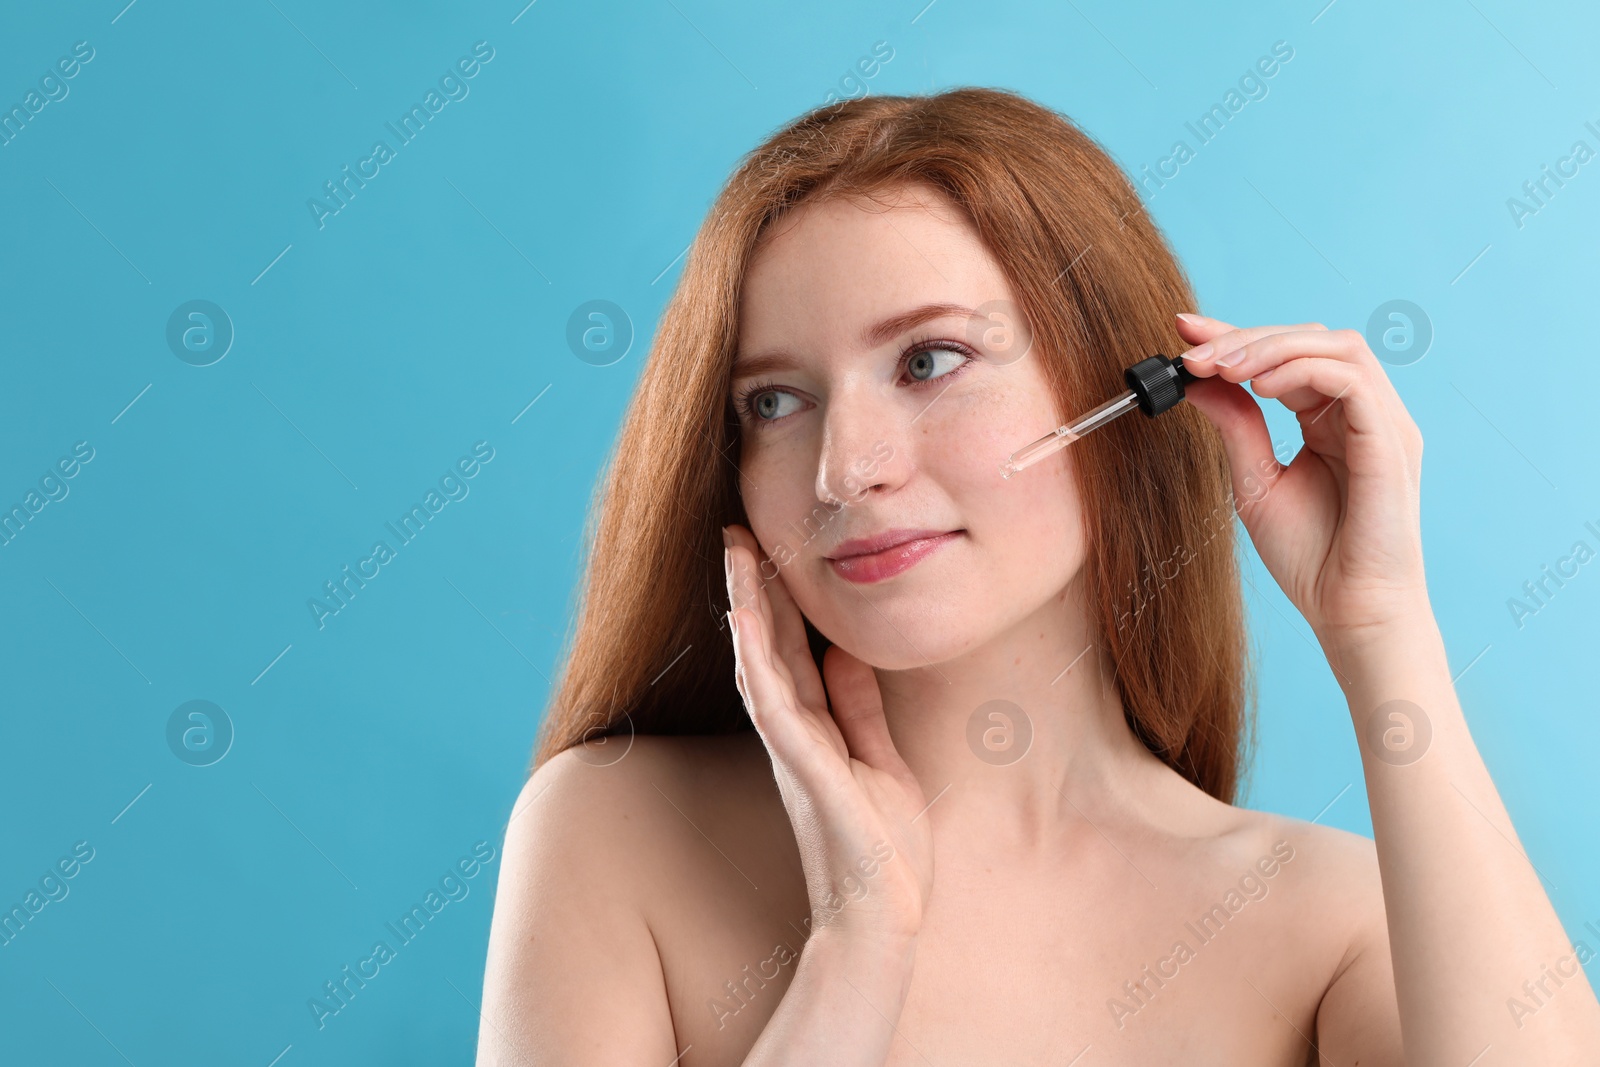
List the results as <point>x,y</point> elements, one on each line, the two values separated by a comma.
<point>1154,385</point>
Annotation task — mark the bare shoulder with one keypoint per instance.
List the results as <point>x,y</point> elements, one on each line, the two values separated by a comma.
<point>620,794</point>
<point>1330,935</point>
<point>1341,907</point>
<point>1333,871</point>
<point>647,791</point>
<point>1340,867</point>
<point>574,973</point>
<point>1333,852</point>
<point>1342,887</point>
<point>1328,867</point>
<point>620,811</point>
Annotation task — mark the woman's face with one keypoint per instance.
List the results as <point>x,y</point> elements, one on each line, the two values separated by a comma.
<point>860,432</point>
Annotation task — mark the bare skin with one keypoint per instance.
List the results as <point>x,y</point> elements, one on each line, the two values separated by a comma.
<point>644,913</point>
<point>880,888</point>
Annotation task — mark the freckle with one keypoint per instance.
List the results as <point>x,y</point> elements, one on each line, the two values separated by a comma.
<point>1018,663</point>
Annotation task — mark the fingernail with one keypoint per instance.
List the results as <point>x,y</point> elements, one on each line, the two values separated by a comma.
<point>1191,319</point>
<point>733,625</point>
<point>727,538</point>
<point>1199,353</point>
<point>727,566</point>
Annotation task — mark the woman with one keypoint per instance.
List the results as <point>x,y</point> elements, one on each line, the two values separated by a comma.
<point>985,813</point>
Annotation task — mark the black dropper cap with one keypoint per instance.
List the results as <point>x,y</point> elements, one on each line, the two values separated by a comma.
<point>1158,382</point>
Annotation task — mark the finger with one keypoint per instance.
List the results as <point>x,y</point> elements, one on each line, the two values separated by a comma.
<point>1198,329</point>
<point>793,646</point>
<point>741,582</point>
<point>858,711</point>
<point>1270,350</point>
<point>1348,346</point>
<point>1200,358</point>
<point>772,597</point>
<point>764,696</point>
<point>749,592</point>
<point>773,699</point>
<point>740,671</point>
<point>1266,359</point>
<point>1205,329</point>
<point>1316,382</point>
<point>1263,353</point>
<point>750,598</point>
<point>745,590</point>
<point>787,626</point>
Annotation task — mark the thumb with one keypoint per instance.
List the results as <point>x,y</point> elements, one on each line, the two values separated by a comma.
<point>1252,463</point>
<point>857,706</point>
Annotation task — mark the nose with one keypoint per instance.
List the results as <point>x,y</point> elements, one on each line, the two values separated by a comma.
<point>862,449</point>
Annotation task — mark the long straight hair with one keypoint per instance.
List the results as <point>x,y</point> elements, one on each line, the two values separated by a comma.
<point>648,650</point>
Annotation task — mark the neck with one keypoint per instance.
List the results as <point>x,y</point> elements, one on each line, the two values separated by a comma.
<point>1050,746</point>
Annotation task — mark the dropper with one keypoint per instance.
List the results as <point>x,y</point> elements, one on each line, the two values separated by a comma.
<point>1154,385</point>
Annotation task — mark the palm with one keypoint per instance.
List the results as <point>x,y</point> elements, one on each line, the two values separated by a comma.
<point>846,788</point>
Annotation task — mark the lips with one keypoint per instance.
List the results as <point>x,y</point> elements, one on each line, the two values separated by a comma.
<point>884,555</point>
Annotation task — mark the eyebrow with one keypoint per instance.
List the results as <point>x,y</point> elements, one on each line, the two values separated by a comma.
<point>871,337</point>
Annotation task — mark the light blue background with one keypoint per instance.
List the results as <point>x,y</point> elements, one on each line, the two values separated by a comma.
<point>430,311</point>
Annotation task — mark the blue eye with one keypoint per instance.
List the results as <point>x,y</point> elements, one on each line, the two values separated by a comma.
<point>924,360</point>
<point>770,404</point>
<point>926,364</point>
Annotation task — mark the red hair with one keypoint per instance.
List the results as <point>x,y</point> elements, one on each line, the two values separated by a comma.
<point>1099,287</point>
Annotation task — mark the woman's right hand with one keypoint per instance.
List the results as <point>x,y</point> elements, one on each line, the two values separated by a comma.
<point>858,812</point>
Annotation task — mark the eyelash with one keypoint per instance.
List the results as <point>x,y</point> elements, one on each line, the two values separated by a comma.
<point>742,403</point>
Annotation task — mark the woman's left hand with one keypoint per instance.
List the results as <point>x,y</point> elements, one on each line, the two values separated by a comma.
<point>1339,528</point>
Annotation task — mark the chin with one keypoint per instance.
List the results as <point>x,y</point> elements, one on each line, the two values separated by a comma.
<point>901,633</point>
<point>887,652</point>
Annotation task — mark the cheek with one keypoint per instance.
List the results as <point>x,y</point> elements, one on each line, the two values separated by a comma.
<point>1035,513</point>
<point>778,492</point>
<point>1025,529</point>
<point>765,468</point>
<point>964,448</point>
<point>978,425</point>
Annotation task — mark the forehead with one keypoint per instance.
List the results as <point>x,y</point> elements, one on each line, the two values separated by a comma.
<point>832,267</point>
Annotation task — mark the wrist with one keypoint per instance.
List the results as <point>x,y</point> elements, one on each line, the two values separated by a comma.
<point>1403,632</point>
<point>880,946</point>
<point>1390,661</point>
<point>878,965</point>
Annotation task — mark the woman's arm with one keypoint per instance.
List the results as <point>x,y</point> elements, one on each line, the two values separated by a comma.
<point>573,976</point>
<point>843,1005</point>
<point>1481,962</point>
<point>1482,969</point>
